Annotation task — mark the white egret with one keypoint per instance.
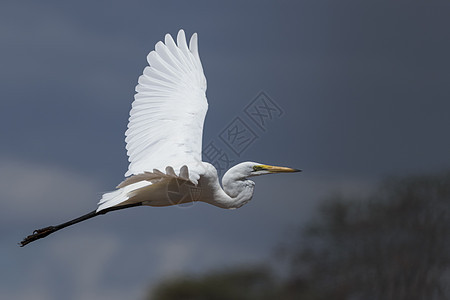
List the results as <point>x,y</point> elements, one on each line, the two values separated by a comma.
<point>165,133</point>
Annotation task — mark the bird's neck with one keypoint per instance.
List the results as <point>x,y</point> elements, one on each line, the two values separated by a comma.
<point>236,191</point>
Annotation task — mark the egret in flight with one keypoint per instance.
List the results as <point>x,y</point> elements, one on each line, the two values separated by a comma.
<point>164,142</point>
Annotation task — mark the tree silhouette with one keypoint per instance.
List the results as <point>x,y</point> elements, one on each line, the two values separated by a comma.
<point>394,245</point>
<point>240,284</point>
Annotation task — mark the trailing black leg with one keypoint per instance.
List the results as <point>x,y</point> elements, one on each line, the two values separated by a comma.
<point>43,232</point>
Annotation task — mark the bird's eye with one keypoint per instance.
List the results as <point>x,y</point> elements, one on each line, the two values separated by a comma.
<point>257,168</point>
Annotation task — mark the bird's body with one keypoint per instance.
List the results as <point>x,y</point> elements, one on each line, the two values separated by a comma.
<point>164,189</point>
<point>164,141</point>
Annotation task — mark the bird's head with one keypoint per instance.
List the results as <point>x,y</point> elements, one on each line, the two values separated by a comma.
<point>261,169</point>
<point>250,169</point>
<point>235,180</point>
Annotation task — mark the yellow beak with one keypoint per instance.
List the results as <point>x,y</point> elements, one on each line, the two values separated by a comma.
<point>275,169</point>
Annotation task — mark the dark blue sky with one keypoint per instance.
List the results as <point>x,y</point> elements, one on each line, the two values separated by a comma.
<point>364,87</point>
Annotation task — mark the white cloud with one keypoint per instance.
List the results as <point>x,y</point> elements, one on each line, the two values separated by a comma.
<point>75,266</point>
<point>34,191</point>
<point>193,252</point>
<point>97,250</point>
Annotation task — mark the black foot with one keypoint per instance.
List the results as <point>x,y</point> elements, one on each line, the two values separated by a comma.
<point>38,234</point>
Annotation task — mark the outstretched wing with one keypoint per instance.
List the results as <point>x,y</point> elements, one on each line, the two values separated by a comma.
<point>166,120</point>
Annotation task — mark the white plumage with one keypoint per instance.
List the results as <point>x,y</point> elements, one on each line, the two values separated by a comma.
<point>165,134</point>
<point>164,142</point>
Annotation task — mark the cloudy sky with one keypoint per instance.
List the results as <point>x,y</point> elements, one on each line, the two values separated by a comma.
<point>363,87</point>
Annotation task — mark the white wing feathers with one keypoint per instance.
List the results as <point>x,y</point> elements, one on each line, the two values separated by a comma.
<point>166,120</point>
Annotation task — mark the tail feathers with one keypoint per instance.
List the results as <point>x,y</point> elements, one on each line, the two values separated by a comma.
<point>120,195</point>
<point>111,199</point>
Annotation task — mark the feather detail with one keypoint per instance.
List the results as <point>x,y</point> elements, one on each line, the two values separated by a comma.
<point>156,176</point>
<point>166,119</point>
